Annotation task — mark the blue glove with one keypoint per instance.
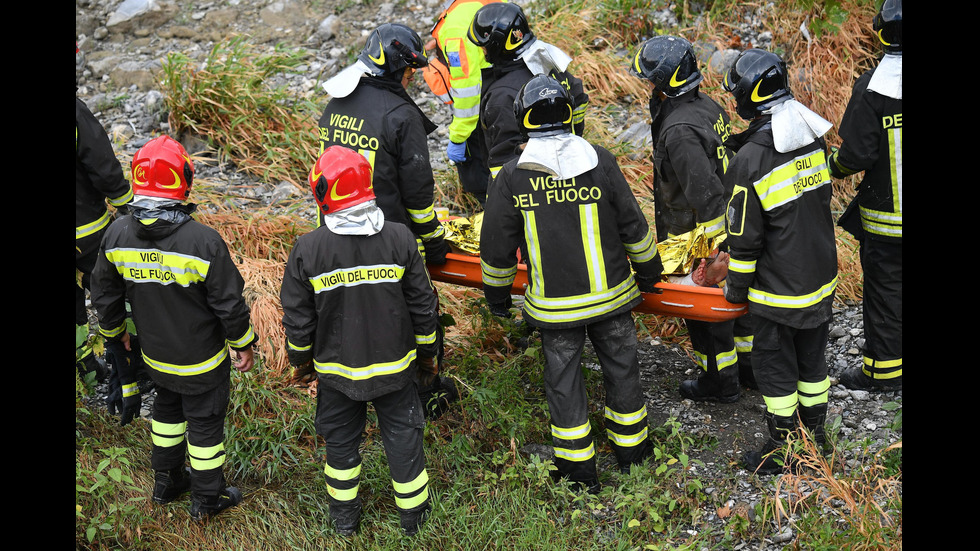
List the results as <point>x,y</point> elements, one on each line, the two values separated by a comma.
<point>456,152</point>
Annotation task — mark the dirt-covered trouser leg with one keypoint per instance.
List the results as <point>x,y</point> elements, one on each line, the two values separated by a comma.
<point>614,341</point>
<point>714,350</point>
<point>340,421</point>
<point>790,366</point>
<point>882,305</point>
<point>202,417</point>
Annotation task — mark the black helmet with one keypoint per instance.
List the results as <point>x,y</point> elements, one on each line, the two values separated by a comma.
<point>669,63</point>
<point>543,108</point>
<point>888,25</point>
<point>392,47</point>
<point>501,29</point>
<point>758,81</point>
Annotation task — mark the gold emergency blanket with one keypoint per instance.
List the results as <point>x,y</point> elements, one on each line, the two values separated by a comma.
<point>464,233</point>
<point>678,253</point>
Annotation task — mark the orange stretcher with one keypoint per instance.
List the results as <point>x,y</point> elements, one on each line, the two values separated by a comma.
<point>683,301</point>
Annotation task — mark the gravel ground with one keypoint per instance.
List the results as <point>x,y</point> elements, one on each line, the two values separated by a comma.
<point>116,71</point>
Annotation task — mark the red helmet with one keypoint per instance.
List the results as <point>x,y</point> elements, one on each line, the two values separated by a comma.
<point>161,168</point>
<point>340,179</point>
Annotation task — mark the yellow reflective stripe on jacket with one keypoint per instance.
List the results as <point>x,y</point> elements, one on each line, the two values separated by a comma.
<point>498,277</point>
<point>626,418</point>
<point>531,240</point>
<point>714,227</point>
<point>357,275</point>
<point>206,458</point>
<point>812,394</point>
<point>783,406</point>
<point>789,301</point>
<point>792,179</point>
<point>592,247</point>
<point>571,433</point>
<point>627,440</point>
<point>741,266</point>
<point>243,340</point>
<point>86,230</point>
<point>368,371</point>
<point>575,308</point>
<point>582,454</point>
<point>297,348</point>
<point>112,332</point>
<point>167,435</point>
<point>421,216</point>
<point>643,250</point>
<point>155,266</point>
<point>122,199</point>
<point>187,370</point>
<point>426,339</point>
<point>882,223</point>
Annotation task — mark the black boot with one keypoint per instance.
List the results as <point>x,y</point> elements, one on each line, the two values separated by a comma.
<point>170,485</point>
<point>772,458</point>
<point>813,418</point>
<point>346,518</point>
<point>413,519</point>
<point>205,507</point>
<point>856,379</point>
<point>713,387</point>
<point>647,451</point>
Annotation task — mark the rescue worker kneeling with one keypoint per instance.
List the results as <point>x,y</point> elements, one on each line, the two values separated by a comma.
<point>358,303</point>
<point>579,248</point>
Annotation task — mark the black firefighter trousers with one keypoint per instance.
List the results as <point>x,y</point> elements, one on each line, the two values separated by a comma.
<point>615,344</point>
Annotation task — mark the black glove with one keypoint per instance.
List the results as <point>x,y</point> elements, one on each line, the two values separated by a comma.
<point>735,296</point>
<point>647,284</point>
<point>124,391</point>
<point>500,309</point>
<point>428,371</point>
<point>436,250</point>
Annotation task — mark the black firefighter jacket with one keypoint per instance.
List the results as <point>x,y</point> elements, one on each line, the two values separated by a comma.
<point>780,230</point>
<point>580,235</point>
<point>362,308</point>
<point>501,84</point>
<point>380,121</point>
<point>98,175</point>
<point>871,130</point>
<point>689,160</point>
<point>185,293</point>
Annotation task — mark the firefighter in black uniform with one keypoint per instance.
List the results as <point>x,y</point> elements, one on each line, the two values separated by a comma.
<point>689,160</point>
<point>515,55</point>
<point>98,177</point>
<point>782,246</point>
<point>871,130</point>
<point>186,297</point>
<point>565,203</point>
<point>371,113</point>
<point>358,303</point>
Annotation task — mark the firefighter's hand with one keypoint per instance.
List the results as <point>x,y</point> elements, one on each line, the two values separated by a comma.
<point>436,250</point>
<point>113,399</point>
<point>246,359</point>
<point>456,152</point>
<point>646,284</point>
<point>735,296</point>
<point>302,373</point>
<point>428,371</point>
